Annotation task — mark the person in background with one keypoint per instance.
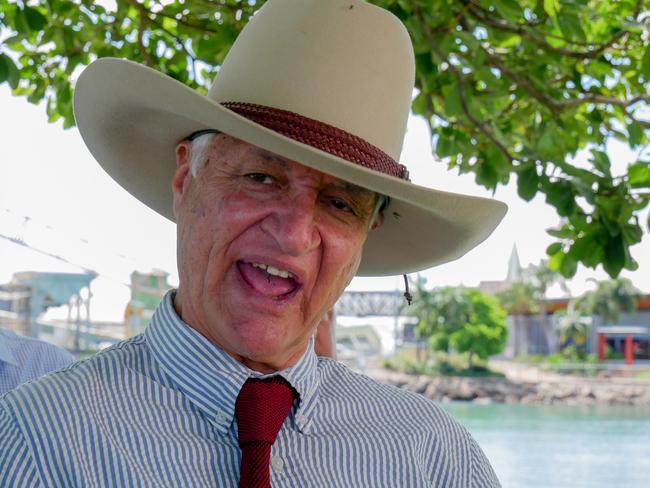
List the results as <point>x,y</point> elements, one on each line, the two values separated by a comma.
<point>23,359</point>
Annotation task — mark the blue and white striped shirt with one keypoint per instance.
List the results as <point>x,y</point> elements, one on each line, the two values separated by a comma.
<point>157,410</point>
<point>24,358</point>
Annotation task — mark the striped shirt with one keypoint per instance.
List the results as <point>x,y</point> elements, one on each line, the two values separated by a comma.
<point>157,410</point>
<point>24,358</point>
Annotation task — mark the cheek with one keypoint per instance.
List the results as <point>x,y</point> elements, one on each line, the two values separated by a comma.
<point>343,253</point>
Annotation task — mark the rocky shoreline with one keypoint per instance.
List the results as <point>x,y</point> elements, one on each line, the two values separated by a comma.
<point>558,391</point>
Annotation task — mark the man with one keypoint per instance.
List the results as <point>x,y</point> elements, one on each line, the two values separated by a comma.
<point>284,185</point>
<point>23,359</point>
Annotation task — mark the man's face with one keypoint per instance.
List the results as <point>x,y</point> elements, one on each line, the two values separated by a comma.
<point>265,248</point>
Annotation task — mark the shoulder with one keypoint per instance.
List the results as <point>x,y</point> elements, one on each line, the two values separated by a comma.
<point>409,419</point>
<point>337,379</point>
<point>29,350</point>
<point>76,379</point>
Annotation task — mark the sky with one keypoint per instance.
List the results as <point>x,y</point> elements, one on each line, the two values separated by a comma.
<point>56,199</point>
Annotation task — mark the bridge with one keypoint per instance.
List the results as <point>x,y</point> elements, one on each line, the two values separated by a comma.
<point>366,303</point>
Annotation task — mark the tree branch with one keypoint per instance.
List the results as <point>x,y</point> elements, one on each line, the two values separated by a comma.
<point>146,15</point>
<point>186,23</point>
<point>482,127</point>
<point>487,18</point>
<point>595,98</point>
<point>523,82</point>
<point>141,28</point>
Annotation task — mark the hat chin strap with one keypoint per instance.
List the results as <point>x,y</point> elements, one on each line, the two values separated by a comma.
<point>320,135</point>
<point>407,294</point>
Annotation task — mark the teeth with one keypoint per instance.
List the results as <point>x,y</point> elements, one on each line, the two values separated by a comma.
<point>273,271</point>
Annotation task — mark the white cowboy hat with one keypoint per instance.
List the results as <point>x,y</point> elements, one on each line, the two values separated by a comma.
<point>327,84</point>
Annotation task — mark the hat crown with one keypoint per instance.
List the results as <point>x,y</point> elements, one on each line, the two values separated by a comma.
<point>348,64</point>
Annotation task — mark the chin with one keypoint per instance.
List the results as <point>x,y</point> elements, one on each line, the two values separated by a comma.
<point>257,342</point>
<point>276,353</point>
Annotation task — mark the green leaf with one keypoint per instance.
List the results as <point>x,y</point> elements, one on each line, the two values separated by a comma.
<point>601,162</point>
<point>570,26</point>
<point>552,7</point>
<point>554,248</point>
<point>638,174</point>
<point>547,145</point>
<point>8,71</point>
<point>509,9</point>
<point>453,106</point>
<point>561,195</point>
<point>444,146</point>
<point>645,64</point>
<point>635,134</point>
<point>35,19</point>
<point>486,173</point>
<point>587,249</point>
<point>632,234</point>
<point>419,104</point>
<point>4,68</point>
<point>569,266</point>
<point>563,264</point>
<point>64,94</point>
<point>37,95</point>
<point>563,232</point>
<point>614,255</point>
<point>509,41</point>
<point>527,182</point>
<point>20,23</point>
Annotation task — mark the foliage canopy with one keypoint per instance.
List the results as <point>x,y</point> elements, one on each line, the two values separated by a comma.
<point>609,300</point>
<point>509,89</point>
<point>464,319</point>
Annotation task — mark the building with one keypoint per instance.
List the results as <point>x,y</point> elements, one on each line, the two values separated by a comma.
<point>147,290</point>
<point>29,294</point>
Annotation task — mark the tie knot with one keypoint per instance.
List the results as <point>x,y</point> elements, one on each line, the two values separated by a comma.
<point>261,408</point>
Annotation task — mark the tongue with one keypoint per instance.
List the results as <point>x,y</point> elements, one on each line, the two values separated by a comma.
<point>265,283</point>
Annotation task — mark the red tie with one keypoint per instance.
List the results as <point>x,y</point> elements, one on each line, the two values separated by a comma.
<point>261,407</point>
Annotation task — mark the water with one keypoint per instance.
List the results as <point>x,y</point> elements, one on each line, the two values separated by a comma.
<point>556,446</point>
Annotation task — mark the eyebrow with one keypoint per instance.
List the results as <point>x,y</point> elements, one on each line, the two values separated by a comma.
<point>342,184</point>
<point>269,156</point>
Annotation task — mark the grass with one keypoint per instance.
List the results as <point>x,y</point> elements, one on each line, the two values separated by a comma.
<point>440,364</point>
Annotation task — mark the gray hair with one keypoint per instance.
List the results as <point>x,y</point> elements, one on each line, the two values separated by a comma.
<point>199,152</point>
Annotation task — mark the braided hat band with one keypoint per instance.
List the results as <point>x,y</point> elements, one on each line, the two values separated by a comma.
<point>319,135</point>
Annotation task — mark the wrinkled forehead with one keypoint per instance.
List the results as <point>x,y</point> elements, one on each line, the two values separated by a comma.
<point>245,152</point>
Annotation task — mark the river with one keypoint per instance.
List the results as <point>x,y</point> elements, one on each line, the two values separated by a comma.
<point>533,446</point>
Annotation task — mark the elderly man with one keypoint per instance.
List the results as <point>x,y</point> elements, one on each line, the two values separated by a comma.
<point>284,185</point>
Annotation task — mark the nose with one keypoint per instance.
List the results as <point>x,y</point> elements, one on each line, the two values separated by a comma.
<point>292,224</point>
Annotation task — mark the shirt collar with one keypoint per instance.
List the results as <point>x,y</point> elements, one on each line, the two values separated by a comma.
<point>5,353</point>
<point>210,378</point>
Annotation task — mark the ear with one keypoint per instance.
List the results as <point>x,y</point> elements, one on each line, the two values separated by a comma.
<point>182,173</point>
<point>379,219</point>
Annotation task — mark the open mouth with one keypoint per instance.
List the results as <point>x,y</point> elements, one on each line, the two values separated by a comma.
<point>268,280</point>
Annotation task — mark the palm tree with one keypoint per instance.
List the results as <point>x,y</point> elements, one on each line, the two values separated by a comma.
<point>609,300</point>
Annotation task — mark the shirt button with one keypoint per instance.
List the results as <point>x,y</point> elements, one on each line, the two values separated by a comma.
<point>277,464</point>
<point>300,420</point>
<point>221,418</point>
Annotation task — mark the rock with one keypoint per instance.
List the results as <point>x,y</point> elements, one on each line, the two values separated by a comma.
<point>563,391</point>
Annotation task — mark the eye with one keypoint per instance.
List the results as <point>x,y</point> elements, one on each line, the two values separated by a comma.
<point>262,178</point>
<point>342,205</point>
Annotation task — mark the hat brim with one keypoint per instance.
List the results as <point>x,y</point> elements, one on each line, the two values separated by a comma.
<point>131,117</point>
